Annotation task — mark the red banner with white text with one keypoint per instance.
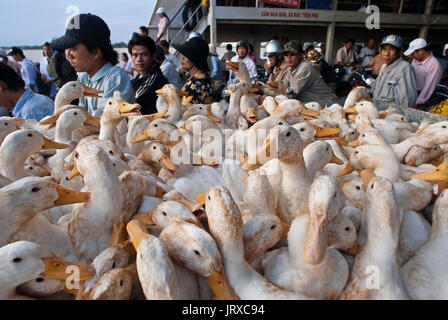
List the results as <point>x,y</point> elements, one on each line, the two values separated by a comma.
<point>284,3</point>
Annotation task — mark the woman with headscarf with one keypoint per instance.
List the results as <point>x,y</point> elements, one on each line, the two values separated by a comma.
<point>194,59</point>
<point>163,33</point>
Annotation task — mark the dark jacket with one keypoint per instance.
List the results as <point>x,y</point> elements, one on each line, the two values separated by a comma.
<point>145,87</point>
<point>66,73</point>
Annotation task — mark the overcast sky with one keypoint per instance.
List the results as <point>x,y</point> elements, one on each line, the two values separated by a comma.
<point>32,22</point>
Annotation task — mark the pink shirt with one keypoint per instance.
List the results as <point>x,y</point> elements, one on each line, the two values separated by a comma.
<point>429,73</point>
<point>16,67</point>
<point>163,29</point>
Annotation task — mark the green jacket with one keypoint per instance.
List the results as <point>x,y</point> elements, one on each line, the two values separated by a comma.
<point>68,73</point>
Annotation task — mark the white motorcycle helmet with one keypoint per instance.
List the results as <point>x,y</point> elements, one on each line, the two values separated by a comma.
<point>273,48</point>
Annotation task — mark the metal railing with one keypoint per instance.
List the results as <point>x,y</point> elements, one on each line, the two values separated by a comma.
<point>188,22</point>
<point>392,6</point>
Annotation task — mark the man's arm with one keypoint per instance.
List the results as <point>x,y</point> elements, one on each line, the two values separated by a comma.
<point>30,76</point>
<point>432,80</point>
<point>406,89</point>
<point>298,82</point>
<point>252,68</point>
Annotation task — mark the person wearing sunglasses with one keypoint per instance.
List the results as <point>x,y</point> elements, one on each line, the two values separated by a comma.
<point>304,82</point>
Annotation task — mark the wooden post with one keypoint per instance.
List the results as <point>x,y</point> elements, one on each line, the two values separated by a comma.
<point>212,23</point>
<point>428,12</point>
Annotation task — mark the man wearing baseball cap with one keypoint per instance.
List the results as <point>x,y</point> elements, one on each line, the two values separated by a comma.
<point>14,65</point>
<point>90,51</point>
<point>304,81</point>
<point>396,82</point>
<point>427,69</point>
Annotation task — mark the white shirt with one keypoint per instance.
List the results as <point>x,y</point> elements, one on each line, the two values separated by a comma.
<point>251,67</point>
<point>43,67</point>
<point>170,73</point>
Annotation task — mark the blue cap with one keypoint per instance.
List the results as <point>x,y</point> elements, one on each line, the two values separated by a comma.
<point>393,40</point>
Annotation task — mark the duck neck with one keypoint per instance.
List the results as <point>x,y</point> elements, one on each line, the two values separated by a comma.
<point>439,223</point>
<point>12,163</point>
<point>13,216</point>
<point>297,238</point>
<point>174,113</point>
<point>234,110</point>
<point>61,100</point>
<point>63,134</point>
<point>107,130</point>
<point>104,185</point>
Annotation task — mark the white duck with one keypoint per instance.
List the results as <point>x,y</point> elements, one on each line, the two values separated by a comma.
<point>17,147</point>
<point>379,254</point>
<point>300,267</point>
<point>24,261</point>
<point>226,227</point>
<point>288,175</point>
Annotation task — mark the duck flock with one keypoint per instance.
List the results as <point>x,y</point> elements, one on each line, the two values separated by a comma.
<point>224,201</point>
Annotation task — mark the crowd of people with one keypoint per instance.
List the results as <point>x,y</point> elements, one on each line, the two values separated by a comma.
<point>408,78</point>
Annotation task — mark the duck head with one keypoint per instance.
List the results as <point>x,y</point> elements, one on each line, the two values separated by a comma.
<point>282,142</point>
<point>71,117</point>
<point>195,249</point>
<point>24,261</point>
<point>165,213</point>
<point>157,152</point>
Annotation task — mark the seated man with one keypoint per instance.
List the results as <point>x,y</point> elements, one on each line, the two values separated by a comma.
<point>428,70</point>
<point>396,82</point>
<point>168,69</point>
<point>24,103</point>
<point>304,81</point>
<point>275,63</point>
<point>243,48</point>
<point>150,78</point>
<point>345,55</point>
<point>90,52</point>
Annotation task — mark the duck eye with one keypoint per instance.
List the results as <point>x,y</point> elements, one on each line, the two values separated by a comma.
<point>113,265</point>
<point>371,186</point>
<point>327,149</point>
<point>154,147</point>
<point>31,168</point>
<point>74,85</point>
<point>111,152</point>
<point>209,198</point>
<point>40,279</point>
<point>358,188</point>
<point>444,127</point>
<point>30,134</point>
<point>121,283</point>
<point>288,134</point>
<point>197,252</point>
<point>76,155</point>
<point>356,152</point>
<point>155,125</point>
<point>16,260</point>
<point>302,129</point>
<point>347,228</point>
<point>164,213</point>
<point>6,123</point>
<point>76,113</point>
<point>35,189</point>
<point>273,227</point>
<point>363,135</point>
<point>110,102</point>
